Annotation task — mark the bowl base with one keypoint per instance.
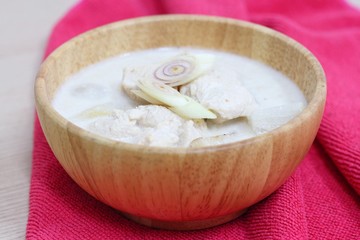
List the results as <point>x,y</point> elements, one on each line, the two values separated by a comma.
<point>186,225</point>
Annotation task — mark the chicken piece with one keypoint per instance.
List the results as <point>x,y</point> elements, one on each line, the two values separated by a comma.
<point>223,93</point>
<point>149,125</point>
<point>268,118</point>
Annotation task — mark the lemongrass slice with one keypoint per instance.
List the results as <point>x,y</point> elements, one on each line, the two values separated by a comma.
<point>184,68</point>
<point>193,110</point>
<point>146,97</point>
<point>162,92</point>
<point>182,105</point>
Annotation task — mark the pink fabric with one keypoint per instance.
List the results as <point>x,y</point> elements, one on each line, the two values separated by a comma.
<point>319,201</point>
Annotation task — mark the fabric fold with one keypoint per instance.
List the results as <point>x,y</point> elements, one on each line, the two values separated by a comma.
<point>332,38</point>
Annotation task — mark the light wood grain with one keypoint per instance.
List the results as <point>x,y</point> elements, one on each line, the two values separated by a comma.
<point>25,26</point>
<point>175,187</point>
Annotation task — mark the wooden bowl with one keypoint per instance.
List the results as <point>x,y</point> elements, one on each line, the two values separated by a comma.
<point>181,188</point>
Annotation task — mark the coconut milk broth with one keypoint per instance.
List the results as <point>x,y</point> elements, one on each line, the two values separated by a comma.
<point>269,87</point>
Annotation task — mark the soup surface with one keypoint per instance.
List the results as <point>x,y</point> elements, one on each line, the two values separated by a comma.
<point>240,98</point>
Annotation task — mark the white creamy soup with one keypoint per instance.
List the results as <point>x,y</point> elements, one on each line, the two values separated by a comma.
<point>179,97</point>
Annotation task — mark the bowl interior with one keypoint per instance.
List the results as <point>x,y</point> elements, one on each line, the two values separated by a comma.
<point>250,40</point>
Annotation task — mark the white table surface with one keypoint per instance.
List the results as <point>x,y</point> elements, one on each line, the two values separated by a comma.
<point>25,26</point>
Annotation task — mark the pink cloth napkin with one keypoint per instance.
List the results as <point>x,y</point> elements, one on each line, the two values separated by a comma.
<point>319,201</point>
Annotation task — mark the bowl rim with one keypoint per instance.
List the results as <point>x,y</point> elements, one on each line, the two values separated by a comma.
<point>41,95</point>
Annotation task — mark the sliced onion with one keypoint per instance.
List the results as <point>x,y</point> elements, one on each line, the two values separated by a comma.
<point>97,111</point>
